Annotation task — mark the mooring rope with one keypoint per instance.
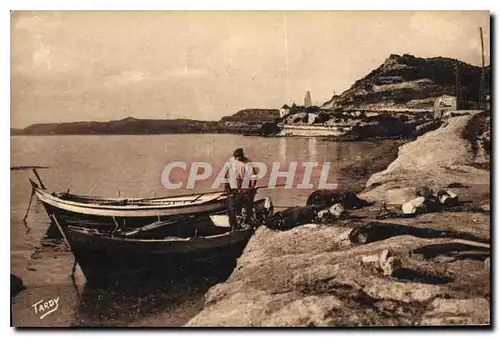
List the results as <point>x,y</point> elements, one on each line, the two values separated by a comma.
<point>28,229</point>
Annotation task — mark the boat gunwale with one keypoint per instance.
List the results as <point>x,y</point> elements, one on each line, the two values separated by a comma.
<point>96,198</point>
<point>84,232</point>
<point>54,199</point>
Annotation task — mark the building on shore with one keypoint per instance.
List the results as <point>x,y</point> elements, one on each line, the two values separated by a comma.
<point>313,130</point>
<point>284,110</point>
<point>443,104</point>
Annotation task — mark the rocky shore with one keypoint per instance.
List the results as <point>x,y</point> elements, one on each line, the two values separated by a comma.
<point>453,155</point>
<point>431,269</point>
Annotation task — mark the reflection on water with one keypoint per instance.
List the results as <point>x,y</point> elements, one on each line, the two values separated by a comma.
<point>312,148</point>
<point>283,149</point>
<point>131,166</point>
<point>152,299</point>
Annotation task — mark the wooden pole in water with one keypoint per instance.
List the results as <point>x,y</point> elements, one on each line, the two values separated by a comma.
<point>73,268</point>
<point>39,179</point>
<point>29,206</point>
<point>230,209</point>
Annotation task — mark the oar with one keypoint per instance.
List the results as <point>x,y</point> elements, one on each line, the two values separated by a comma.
<point>202,193</point>
<point>198,197</point>
<point>259,187</point>
<point>157,224</point>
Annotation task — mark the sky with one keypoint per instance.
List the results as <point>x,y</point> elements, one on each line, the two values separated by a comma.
<point>100,66</point>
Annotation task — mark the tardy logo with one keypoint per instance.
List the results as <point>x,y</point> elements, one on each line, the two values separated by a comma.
<point>43,307</point>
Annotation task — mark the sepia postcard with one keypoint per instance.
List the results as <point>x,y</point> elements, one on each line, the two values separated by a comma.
<point>250,168</point>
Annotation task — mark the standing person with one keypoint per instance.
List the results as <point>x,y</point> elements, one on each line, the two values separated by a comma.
<point>240,168</point>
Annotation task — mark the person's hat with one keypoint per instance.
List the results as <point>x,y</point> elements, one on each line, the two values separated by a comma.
<point>238,152</point>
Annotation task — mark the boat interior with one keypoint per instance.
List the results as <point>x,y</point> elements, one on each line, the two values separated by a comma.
<point>190,227</point>
<point>180,199</point>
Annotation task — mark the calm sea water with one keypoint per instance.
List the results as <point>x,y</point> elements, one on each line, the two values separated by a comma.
<point>132,166</point>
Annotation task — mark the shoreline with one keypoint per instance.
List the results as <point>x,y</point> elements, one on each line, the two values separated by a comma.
<point>322,138</point>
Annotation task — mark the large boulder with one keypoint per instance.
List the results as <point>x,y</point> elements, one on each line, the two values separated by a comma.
<point>326,198</point>
<point>291,217</point>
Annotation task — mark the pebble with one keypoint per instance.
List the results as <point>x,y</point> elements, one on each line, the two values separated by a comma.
<point>414,206</point>
<point>487,263</point>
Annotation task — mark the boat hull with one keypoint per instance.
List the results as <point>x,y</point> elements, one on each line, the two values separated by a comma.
<point>104,257</point>
<point>217,202</point>
<point>115,214</point>
<point>66,218</point>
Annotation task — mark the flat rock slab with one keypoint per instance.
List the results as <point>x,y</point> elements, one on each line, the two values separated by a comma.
<point>315,277</point>
<point>473,311</point>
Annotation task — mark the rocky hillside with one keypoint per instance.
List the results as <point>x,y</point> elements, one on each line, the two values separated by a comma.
<point>412,82</point>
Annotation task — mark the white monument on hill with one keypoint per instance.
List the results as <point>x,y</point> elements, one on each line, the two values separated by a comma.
<point>307,100</point>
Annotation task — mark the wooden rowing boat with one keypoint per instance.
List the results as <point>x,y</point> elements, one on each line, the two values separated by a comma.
<point>120,213</point>
<point>104,256</point>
